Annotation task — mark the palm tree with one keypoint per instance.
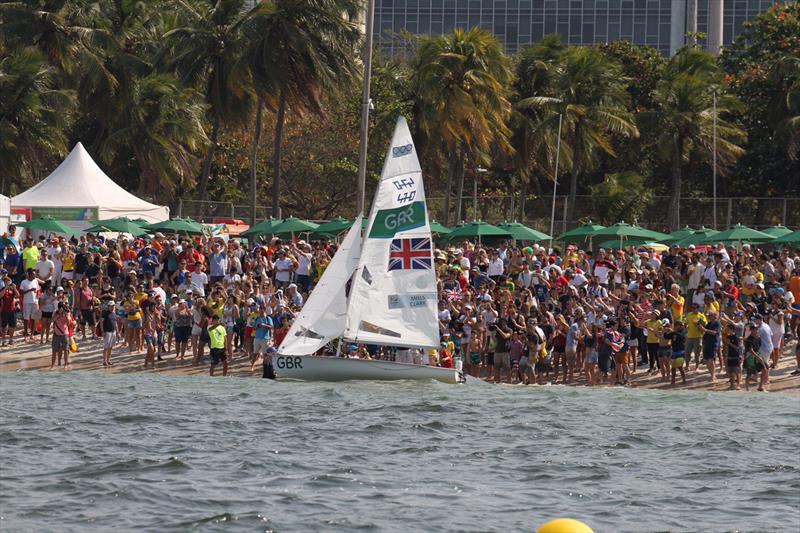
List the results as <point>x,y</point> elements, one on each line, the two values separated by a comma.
<point>302,49</point>
<point>209,50</point>
<point>163,126</point>
<point>685,119</point>
<point>461,81</point>
<point>590,93</point>
<point>34,113</point>
<point>56,27</point>
<point>785,109</point>
<point>535,128</point>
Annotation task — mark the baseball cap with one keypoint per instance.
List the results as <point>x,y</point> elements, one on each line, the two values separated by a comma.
<point>292,286</point>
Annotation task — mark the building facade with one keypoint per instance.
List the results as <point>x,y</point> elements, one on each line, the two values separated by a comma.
<point>662,24</point>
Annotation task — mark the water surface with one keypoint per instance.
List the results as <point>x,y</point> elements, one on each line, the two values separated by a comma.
<point>83,451</point>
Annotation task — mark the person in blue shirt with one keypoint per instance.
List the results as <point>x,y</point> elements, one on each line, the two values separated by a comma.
<point>13,263</point>
<point>148,260</point>
<point>262,335</point>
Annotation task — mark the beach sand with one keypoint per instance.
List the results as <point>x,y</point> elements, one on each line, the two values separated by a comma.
<point>24,357</point>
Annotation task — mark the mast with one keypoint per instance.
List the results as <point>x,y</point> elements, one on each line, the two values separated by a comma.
<point>365,105</point>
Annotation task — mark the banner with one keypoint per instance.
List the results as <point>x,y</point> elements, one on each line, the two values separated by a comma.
<point>87,214</point>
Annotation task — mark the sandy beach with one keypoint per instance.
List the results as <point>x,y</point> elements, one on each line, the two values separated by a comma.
<point>25,357</point>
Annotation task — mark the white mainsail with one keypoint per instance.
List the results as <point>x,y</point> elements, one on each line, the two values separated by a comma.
<point>324,315</point>
<point>393,300</point>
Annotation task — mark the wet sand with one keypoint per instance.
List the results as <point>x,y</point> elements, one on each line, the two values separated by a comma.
<point>24,357</point>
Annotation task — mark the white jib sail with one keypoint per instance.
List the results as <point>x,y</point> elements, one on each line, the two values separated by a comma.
<point>323,316</point>
<point>393,299</point>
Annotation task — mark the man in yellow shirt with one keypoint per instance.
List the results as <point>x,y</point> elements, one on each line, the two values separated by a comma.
<point>216,334</point>
<point>30,256</point>
<point>695,322</point>
<point>654,329</point>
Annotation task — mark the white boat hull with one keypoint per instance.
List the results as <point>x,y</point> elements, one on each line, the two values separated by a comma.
<point>319,368</point>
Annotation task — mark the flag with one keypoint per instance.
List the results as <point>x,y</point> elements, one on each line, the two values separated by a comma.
<point>410,254</point>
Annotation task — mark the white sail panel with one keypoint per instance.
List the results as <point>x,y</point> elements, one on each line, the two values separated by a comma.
<point>393,300</point>
<point>323,316</point>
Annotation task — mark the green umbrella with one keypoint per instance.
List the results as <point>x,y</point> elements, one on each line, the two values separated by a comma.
<point>777,231</point>
<point>739,233</point>
<point>48,224</point>
<point>294,225</point>
<point>700,236</point>
<point>119,225</point>
<point>476,230</point>
<point>581,233</point>
<point>264,227</point>
<point>333,227</point>
<point>789,238</point>
<point>140,222</point>
<point>679,234</point>
<point>626,232</point>
<point>177,225</point>
<point>623,230</point>
<point>521,232</point>
<point>439,228</point>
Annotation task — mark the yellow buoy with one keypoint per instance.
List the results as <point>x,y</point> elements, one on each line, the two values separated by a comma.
<point>564,525</point>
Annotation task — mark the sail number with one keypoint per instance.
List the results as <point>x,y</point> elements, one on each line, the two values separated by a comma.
<point>289,363</point>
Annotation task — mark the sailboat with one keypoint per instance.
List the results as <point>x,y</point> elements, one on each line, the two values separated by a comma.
<point>379,289</point>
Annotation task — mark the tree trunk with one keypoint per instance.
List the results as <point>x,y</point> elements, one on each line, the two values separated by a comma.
<point>254,158</point>
<point>451,170</point>
<point>523,197</point>
<point>573,188</point>
<point>276,183</point>
<point>203,185</point>
<point>674,215</point>
<point>460,194</point>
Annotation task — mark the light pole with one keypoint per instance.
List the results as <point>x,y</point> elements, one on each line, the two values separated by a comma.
<point>555,182</point>
<point>714,155</point>
<point>365,108</point>
<point>478,171</point>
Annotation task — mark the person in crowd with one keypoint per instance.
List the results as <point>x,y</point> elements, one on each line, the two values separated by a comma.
<point>509,313</point>
<point>216,336</point>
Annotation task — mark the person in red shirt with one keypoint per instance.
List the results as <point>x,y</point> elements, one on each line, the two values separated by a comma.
<point>445,359</point>
<point>8,310</point>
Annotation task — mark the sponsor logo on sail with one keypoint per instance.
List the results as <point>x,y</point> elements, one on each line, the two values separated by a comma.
<point>400,151</point>
<point>389,222</point>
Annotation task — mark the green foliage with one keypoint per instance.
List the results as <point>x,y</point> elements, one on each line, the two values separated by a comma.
<point>621,196</point>
<point>756,66</point>
<point>33,114</point>
<point>163,92</point>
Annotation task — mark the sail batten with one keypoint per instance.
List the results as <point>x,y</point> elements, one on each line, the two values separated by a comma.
<point>393,300</point>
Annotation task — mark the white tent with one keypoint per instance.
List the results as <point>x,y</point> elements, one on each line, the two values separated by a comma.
<point>78,192</point>
<point>5,213</point>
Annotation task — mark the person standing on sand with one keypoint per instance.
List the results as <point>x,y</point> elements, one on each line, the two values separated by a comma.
<point>60,336</point>
<point>677,339</point>
<point>109,317</point>
<point>8,310</point>
<point>30,303</point>
<point>217,334</point>
<point>765,350</point>
<point>183,329</point>
<point>711,333</point>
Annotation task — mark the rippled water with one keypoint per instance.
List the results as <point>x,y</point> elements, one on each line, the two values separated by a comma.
<point>82,451</point>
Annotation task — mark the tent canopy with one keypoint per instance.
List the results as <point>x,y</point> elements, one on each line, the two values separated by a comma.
<point>79,190</point>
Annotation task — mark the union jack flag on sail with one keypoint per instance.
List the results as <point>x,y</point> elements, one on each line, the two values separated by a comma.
<point>410,254</point>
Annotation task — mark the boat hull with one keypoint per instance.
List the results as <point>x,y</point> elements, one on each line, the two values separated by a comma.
<point>318,368</point>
